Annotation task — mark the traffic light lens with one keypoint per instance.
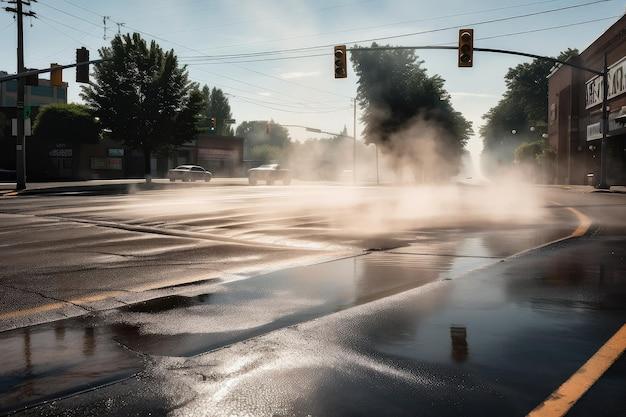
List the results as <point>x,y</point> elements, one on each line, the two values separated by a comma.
<point>466,47</point>
<point>341,66</point>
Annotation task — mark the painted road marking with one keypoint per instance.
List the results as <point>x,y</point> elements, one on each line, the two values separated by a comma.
<point>77,302</point>
<point>584,223</point>
<point>561,400</point>
<point>581,229</point>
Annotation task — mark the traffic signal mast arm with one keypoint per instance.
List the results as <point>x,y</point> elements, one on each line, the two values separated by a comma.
<point>499,51</point>
<point>46,70</point>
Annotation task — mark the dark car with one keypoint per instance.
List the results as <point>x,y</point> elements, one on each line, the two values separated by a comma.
<point>189,173</point>
<point>269,173</point>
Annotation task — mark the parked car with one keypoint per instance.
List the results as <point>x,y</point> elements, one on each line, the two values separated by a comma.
<point>189,173</point>
<point>269,173</point>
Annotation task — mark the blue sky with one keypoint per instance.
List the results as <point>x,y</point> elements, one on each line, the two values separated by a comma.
<point>302,91</point>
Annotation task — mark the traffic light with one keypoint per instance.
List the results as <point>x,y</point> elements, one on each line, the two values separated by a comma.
<point>82,71</point>
<point>56,76</point>
<point>213,124</point>
<point>466,47</point>
<point>341,67</point>
<point>32,80</point>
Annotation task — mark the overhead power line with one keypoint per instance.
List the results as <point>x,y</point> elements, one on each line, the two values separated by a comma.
<point>403,35</point>
<point>329,54</point>
<point>392,24</point>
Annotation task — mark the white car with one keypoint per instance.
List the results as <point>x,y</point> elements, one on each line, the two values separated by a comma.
<point>189,173</point>
<point>269,173</point>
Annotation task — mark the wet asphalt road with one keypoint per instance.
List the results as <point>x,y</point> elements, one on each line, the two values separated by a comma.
<point>442,322</point>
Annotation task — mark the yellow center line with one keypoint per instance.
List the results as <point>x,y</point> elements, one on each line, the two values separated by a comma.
<point>583,226</point>
<point>584,223</point>
<point>561,400</point>
<point>45,308</point>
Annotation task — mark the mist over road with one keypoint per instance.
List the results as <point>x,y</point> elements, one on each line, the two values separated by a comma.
<point>309,287</point>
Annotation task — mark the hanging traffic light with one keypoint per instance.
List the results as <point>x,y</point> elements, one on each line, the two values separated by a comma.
<point>213,124</point>
<point>82,71</point>
<point>341,67</point>
<point>466,47</point>
<point>56,76</point>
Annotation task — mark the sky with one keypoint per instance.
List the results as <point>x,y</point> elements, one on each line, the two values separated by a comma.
<point>301,90</point>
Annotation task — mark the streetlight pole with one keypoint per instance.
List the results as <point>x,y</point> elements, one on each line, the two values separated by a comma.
<point>605,126</point>
<point>354,147</point>
<point>377,175</point>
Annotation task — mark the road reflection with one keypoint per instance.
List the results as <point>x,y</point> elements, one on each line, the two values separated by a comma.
<point>48,361</point>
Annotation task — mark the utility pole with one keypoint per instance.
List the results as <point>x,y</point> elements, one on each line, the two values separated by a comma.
<point>20,147</point>
<point>377,174</point>
<point>603,185</point>
<point>354,146</point>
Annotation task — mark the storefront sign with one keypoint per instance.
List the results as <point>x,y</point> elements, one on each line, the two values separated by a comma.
<point>594,130</point>
<point>212,153</point>
<point>617,84</point>
<point>60,153</point>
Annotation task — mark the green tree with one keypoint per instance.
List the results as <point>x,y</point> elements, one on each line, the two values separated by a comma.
<point>143,96</point>
<point>523,105</point>
<point>216,105</point>
<point>402,105</point>
<point>73,123</point>
<point>261,134</point>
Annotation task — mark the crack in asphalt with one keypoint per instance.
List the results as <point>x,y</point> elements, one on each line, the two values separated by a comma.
<point>48,297</point>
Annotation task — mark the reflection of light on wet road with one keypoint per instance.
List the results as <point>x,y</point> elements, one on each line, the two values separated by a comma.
<point>60,358</point>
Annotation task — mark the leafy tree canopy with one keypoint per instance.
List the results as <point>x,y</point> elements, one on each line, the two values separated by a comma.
<point>524,105</point>
<point>259,133</point>
<point>143,96</point>
<point>216,105</point>
<point>402,104</point>
<point>73,123</point>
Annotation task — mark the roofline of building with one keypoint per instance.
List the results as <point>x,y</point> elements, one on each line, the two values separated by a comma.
<point>590,47</point>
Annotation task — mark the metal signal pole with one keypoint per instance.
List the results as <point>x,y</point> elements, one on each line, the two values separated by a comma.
<point>20,147</point>
<point>603,185</point>
<point>354,147</point>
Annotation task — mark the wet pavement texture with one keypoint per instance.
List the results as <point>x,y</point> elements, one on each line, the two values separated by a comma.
<point>445,325</point>
<point>110,345</point>
<point>494,342</point>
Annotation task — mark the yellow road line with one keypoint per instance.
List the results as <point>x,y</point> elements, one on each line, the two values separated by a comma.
<point>584,223</point>
<point>58,305</point>
<point>583,226</point>
<point>561,400</point>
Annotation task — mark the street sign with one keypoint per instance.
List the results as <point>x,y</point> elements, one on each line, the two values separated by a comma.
<point>230,121</point>
<point>27,127</point>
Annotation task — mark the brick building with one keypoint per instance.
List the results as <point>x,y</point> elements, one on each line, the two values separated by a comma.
<point>575,111</point>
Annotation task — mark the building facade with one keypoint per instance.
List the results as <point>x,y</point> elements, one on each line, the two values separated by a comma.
<point>575,112</point>
<point>34,98</point>
<point>108,159</point>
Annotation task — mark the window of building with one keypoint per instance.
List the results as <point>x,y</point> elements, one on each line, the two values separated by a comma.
<point>102,163</point>
<point>41,91</point>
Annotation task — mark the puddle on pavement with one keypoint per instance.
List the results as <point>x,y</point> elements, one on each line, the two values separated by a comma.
<point>48,361</point>
<point>52,360</point>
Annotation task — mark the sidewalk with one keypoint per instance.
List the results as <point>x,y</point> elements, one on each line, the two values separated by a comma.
<point>119,186</point>
<point>589,189</point>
